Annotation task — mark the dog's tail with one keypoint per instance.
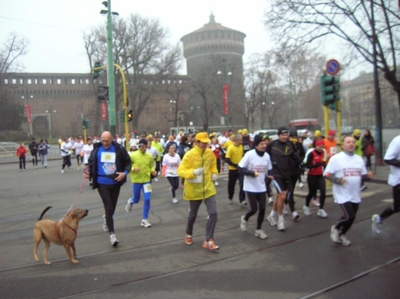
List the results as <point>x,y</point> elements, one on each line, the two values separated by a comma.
<point>44,211</point>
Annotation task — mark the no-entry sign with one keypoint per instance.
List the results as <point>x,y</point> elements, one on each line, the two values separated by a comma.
<point>332,67</point>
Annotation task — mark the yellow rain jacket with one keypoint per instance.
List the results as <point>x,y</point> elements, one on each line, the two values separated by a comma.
<point>202,187</point>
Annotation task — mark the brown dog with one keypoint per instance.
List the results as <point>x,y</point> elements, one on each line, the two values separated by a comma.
<point>63,232</point>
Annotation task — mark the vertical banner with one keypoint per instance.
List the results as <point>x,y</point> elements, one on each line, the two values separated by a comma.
<point>28,113</point>
<point>103,111</point>
<point>225,93</point>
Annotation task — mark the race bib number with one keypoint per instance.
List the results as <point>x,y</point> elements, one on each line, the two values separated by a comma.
<point>147,188</point>
<point>107,157</point>
<point>197,180</point>
<point>333,150</point>
<point>246,147</point>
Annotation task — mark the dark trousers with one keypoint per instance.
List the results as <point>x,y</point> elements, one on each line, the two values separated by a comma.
<point>316,182</point>
<point>22,162</point>
<point>174,182</point>
<point>34,159</point>
<point>257,201</point>
<point>349,215</point>
<point>109,195</point>
<point>233,176</point>
<point>395,208</point>
<point>66,161</point>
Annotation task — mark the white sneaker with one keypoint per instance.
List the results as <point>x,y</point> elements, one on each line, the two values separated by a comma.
<point>301,185</point>
<point>216,183</point>
<point>243,224</point>
<point>113,240</point>
<point>174,200</point>
<point>295,216</point>
<point>128,207</point>
<point>334,234</point>
<point>270,201</point>
<point>62,170</point>
<point>271,220</point>
<point>376,224</point>
<point>281,226</point>
<point>243,203</point>
<point>285,210</point>
<point>344,241</point>
<point>230,201</point>
<point>78,168</point>
<point>306,211</point>
<point>259,233</point>
<point>145,223</point>
<point>315,202</point>
<point>155,180</point>
<point>321,213</point>
<point>105,227</point>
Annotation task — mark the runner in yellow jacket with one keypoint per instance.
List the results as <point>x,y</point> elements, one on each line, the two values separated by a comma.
<point>199,169</point>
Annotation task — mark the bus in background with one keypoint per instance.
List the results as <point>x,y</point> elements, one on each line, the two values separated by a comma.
<point>311,124</point>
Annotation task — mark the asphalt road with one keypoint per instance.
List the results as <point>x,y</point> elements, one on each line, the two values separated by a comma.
<point>154,262</point>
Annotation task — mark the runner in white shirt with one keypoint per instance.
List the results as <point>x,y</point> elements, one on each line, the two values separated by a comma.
<point>392,157</point>
<point>78,146</point>
<point>256,166</point>
<point>170,164</point>
<point>346,170</point>
<point>86,150</point>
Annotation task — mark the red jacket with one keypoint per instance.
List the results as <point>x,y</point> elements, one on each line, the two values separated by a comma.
<point>315,163</point>
<point>21,152</point>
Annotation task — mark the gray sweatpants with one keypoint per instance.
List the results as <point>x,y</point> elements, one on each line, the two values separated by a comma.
<point>212,212</point>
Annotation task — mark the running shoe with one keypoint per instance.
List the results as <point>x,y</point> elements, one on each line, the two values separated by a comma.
<point>376,224</point>
<point>295,216</point>
<point>188,240</point>
<point>113,240</point>
<point>259,233</point>
<point>174,200</point>
<point>321,213</point>
<point>306,211</point>
<point>281,226</point>
<point>243,224</point>
<point>271,220</point>
<point>334,234</point>
<point>210,245</point>
<point>145,223</point>
<point>344,241</point>
<point>128,207</point>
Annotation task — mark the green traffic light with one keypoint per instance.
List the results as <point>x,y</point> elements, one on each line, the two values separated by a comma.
<point>330,88</point>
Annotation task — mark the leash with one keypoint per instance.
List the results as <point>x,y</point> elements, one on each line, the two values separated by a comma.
<point>79,193</point>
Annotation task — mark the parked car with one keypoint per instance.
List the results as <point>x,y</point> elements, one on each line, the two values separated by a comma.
<point>271,133</point>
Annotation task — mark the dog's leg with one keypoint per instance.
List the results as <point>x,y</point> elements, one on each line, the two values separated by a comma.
<point>45,250</point>
<point>68,250</point>
<point>74,250</point>
<point>37,235</point>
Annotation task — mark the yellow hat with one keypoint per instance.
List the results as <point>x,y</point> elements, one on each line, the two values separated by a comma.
<point>317,133</point>
<point>356,132</point>
<point>239,131</point>
<point>245,132</point>
<point>202,137</point>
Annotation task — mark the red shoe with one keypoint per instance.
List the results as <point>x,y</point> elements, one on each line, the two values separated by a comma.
<point>188,240</point>
<point>210,245</point>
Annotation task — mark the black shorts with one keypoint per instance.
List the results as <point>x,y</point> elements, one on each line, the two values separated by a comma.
<point>282,184</point>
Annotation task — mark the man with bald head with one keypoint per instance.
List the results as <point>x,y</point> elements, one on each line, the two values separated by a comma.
<point>109,164</point>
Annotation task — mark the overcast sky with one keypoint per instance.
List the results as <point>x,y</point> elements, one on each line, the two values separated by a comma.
<point>54,27</point>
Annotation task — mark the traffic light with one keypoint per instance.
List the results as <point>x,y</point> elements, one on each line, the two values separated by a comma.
<point>87,123</point>
<point>83,124</point>
<point>130,115</point>
<point>122,116</point>
<point>102,94</point>
<point>96,73</point>
<point>330,91</point>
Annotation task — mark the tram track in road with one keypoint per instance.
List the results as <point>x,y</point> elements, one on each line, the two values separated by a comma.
<point>217,259</point>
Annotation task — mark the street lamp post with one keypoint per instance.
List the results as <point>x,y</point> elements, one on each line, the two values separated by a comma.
<point>291,96</point>
<point>110,68</point>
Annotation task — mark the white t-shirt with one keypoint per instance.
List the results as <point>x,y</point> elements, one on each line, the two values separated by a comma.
<point>65,149</point>
<point>87,150</point>
<point>350,167</point>
<point>172,163</point>
<point>393,152</point>
<point>78,147</point>
<point>252,161</point>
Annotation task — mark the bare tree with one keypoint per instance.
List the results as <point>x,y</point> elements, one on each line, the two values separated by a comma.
<point>15,47</point>
<point>140,47</point>
<point>299,22</point>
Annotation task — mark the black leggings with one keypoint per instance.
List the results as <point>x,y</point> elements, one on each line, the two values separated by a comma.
<point>22,162</point>
<point>233,176</point>
<point>34,159</point>
<point>345,222</point>
<point>174,182</point>
<point>256,201</point>
<point>316,182</point>
<point>395,207</point>
<point>66,161</point>
<point>109,195</point>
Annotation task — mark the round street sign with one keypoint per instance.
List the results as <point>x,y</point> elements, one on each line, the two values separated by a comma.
<point>332,67</point>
